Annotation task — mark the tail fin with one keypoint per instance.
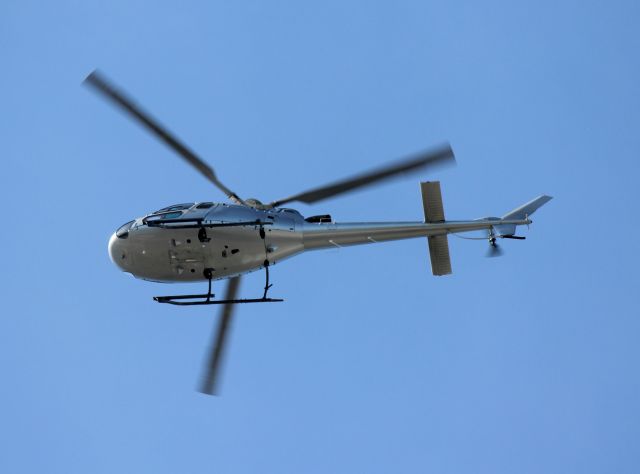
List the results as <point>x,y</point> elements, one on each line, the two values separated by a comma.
<point>521,213</point>
<point>434,212</point>
<point>527,209</point>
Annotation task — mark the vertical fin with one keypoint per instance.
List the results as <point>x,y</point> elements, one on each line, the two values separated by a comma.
<point>434,212</point>
<point>527,209</point>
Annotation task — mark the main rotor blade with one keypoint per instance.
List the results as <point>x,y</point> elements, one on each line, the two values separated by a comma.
<point>214,361</point>
<point>100,84</point>
<point>429,159</point>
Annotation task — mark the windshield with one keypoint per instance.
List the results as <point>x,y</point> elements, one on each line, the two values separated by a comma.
<point>123,230</point>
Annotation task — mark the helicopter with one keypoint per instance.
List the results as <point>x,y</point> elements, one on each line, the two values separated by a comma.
<point>209,241</point>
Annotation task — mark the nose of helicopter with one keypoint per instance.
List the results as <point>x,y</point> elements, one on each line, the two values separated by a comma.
<point>118,253</point>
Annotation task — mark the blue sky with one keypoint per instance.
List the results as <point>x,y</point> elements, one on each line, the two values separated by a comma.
<point>527,363</point>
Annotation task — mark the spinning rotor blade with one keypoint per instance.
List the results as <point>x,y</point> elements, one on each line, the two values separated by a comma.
<point>494,251</point>
<point>429,159</point>
<point>216,353</point>
<point>101,85</point>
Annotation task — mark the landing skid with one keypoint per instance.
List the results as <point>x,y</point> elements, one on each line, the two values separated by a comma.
<point>207,297</point>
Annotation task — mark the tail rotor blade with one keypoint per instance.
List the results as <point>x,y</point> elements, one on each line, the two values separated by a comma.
<point>216,353</point>
<point>494,251</point>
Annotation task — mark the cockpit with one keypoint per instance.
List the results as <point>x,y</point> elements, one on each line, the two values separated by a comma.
<point>177,212</point>
<point>194,214</point>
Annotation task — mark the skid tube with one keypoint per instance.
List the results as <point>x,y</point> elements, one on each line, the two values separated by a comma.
<point>207,300</point>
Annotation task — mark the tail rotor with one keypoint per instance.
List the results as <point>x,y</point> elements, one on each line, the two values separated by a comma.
<point>494,249</point>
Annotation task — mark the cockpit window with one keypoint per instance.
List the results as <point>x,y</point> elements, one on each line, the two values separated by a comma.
<point>204,205</point>
<point>165,215</point>
<point>171,215</point>
<point>289,211</point>
<point>123,231</point>
<point>176,207</point>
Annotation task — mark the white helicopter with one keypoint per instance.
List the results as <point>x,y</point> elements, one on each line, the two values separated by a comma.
<point>206,241</point>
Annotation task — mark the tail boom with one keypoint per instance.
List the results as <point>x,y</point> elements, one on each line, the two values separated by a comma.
<point>318,236</point>
<point>435,228</point>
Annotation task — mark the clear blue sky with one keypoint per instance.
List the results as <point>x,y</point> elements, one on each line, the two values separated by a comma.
<point>526,364</point>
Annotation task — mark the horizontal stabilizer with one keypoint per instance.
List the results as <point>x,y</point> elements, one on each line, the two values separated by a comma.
<point>432,201</point>
<point>439,253</point>
<point>434,213</point>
